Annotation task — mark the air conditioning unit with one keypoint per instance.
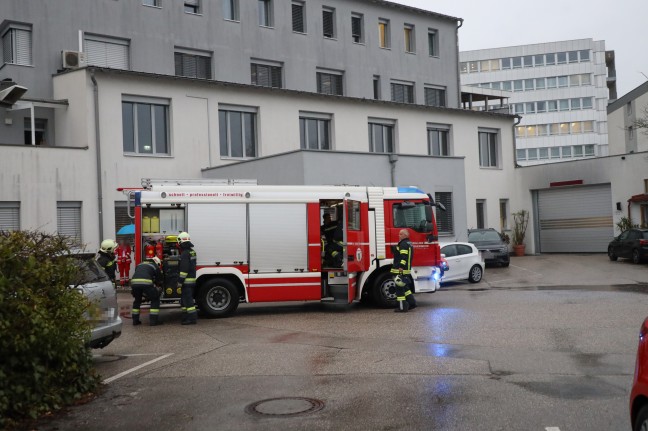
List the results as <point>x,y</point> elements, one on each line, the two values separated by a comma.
<point>73,59</point>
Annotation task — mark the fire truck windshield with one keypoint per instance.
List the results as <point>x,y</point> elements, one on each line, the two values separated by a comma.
<point>412,216</point>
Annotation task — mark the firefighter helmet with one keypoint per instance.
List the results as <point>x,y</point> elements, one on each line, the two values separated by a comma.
<point>398,280</point>
<point>108,245</point>
<point>183,237</point>
<point>156,260</point>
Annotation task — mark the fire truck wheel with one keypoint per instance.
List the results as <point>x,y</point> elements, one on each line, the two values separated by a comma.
<point>218,297</point>
<point>384,291</point>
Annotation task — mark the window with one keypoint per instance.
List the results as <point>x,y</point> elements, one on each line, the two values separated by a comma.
<point>506,63</point>
<point>438,140</point>
<point>463,67</point>
<point>411,217</point>
<point>298,17</point>
<point>403,93</point>
<point>383,33</point>
<point>266,75</point>
<point>433,43</point>
<point>531,130</point>
<point>488,142</point>
<point>554,129</point>
<point>9,216</point>
<point>357,28</point>
<point>354,216</point>
<point>315,131</point>
<point>552,82</point>
<point>585,79</point>
<point>155,3</point>
<point>328,22</point>
<point>265,13</point>
<point>543,129</point>
<point>444,219</point>
<point>575,104</point>
<point>528,85</point>
<point>381,137</point>
<point>145,124</point>
<point>538,60</point>
<point>519,108</point>
<point>533,153</point>
<point>578,151</point>
<point>68,220</point>
<point>192,6</point>
<point>376,87</point>
<point>528,60</point>
<point>192,65</point>
<point>107,52</point>
<point>552,105</point>
<point>517,62</point>
<point>555,152</point>
<point>576,127</point>
<point>562,81</point>
<point>40,131</point>
<point>544,153</point>
<point>587,102</point>
<point>520,154</point>
<point>562,57</point>
<point>564,104</point>
<point>589,150</point>
<point>494,65</point>
<point>435,96</point>
<point>572,56</point>
<point>408,32</point>
<point>588,126</point>
<point>520,132</point>
<point>329,83</point>
<point>584,55</point>
<point>566,152</point>
<point>540,83</point>
<point>481,213</point>
<point>550,59</point>
<point>504,211</point>
<point>473,66</point>
<point>496,85</point>
<point>17,45</point>
<point>518,85</point>
<point>231,10</point>
<point>541,106</point>
<point>237,131</point>
<point>506,85</point>
<point>564,128</point>
<point>530,107</point>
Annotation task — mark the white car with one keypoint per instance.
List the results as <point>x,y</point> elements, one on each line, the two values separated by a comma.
<point>465,262</point>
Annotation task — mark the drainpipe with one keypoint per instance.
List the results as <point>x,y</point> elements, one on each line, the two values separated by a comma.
<point>393,158</point>
<point>98,150</point>
<point>459,25</point>
<point>518,119</point>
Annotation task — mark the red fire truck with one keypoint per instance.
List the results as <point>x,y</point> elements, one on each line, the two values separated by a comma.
<point>264,244</point>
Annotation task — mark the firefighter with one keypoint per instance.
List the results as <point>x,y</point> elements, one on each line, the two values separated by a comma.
<point>332,240</point>
<point>402,271</point>
<point>106,257</point>
<point>187,279</point>
<point>123,252</point>
<point>146,277</point>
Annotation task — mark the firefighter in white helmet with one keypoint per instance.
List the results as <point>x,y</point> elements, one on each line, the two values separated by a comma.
<point>187,279</point>
<point>106,257</point>
<point>147,275</point>
<point>402,270</point>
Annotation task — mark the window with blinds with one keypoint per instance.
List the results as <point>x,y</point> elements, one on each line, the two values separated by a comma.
<point>403,93</point>
<point>107,52</point>
<point>328,22</point>
<point>298,17</point>
<point>192,65</point>
<point>444,219</point>
<point>357,31</point>
<point>266,75</point>
<point>9,216</point>
<point>17,45</point>
<point>329,83</point>
<point>68,220</point>
<point>435,96</point>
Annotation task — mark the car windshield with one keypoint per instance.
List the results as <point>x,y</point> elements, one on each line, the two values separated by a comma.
<point>90,271</point>
<point>484,235</point>
<point>412,217</point>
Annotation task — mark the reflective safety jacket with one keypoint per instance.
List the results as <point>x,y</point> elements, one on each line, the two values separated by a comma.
<point>187,266</point>
<point>107,262</point>
<point>147,273</point>
<point>403,254</point>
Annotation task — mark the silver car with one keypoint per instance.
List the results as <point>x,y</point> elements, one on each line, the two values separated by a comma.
<point>100,290</point>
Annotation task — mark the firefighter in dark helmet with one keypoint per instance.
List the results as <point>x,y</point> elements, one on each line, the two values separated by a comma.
<point>187,279</point>
<point>106,257</point>
<point>402,271</point>
<point>147,275</point>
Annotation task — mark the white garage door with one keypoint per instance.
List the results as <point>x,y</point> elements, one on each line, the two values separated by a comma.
<point>575,219</point>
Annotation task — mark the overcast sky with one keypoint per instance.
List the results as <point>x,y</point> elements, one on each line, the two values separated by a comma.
<point>493,24</point>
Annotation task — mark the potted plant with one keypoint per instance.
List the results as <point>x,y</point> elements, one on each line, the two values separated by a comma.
<point>520,224</point>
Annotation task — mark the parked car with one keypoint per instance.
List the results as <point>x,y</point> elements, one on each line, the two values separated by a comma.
<point>631,244</point>
<point>491,244</point>
<point>464,262</point>
<point>639,392</point>
<point>100,290</point>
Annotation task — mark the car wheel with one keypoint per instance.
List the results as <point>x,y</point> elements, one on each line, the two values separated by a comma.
<point>613,257</point>
<point>475,274</point>
<point>636,257</point>
<point>384,291</point>
<point>641,422</point>
<point>218,297</point>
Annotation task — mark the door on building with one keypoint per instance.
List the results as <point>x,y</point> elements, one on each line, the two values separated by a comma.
<point>575,219</point>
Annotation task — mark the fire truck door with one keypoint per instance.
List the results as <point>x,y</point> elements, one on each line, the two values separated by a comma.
<point>356,242</point>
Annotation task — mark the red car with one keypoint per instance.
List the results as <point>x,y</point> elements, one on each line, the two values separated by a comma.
<point>639,393</point>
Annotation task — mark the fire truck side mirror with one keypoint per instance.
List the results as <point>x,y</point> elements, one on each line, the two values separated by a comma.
<point>428,214</point>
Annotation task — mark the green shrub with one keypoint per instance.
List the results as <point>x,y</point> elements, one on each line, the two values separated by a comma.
<point>45,364</point>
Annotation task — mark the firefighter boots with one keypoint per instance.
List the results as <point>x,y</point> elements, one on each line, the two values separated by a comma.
<point>154,320</point>
<point>411,301</point>
<point>402,307</point>
<point>136,320</point>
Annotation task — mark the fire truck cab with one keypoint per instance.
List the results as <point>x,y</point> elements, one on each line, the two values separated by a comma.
<point>266,243</point>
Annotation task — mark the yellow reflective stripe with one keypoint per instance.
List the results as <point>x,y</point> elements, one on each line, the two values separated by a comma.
<point>400,298</point>
<point>135,310</point>
<point>191,309</point>
<point>404,252</point>
<point>142,281</point>
<point>408,293</point>
<point>184,274</point>
<point>190,280</point>
<point>406,271</point>
<point>184,309</point>
<point>155,310</point>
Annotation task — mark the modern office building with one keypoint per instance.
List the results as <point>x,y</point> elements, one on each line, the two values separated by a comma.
<point>560,89</point>
<point>628,121</point>
<point>363,91</point>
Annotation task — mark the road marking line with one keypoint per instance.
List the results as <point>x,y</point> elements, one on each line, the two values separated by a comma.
<point>122,374</point>
<point>552,429</point>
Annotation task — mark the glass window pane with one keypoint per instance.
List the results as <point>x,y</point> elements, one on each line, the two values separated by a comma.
<point>564,104</point>
<point>324,135</point>
<point>494,65</point>
<point>311,126</point>
<point>222,132</point>
<point>161,146</point>
<point>566,151</point>
<point>550,59</point>
<point>555,152</point>
<point>564,128</point>
<point>517,62</point>
<point>541,106</point>
<point>584,55</point>
<point>585,79</point>
<point>128,127</point>
<point>379,145</point>
<point>463,67</point>
<point>506,85</point>
<point>578,151</point>
<point>551,82</point>
<point>573,56</point>
<point>554,129</point>
<point>587,103</point>
<point>576,127</point>
<point>588,126</point>
<point>533,153</point>
<point>302,133</point>
<point>528,61</point>
<point>574,80</point>
<point>562,81</point>
<point>144,128</point>
<point>473,66</point>
<point>250,135</point>
<point>589,150</point>
<point>544,153</point>
<point>506,63</point>
<point>236,134</point>
<point>539,60</point>
<point>389,139</point>
<point>520,154</point>
<point>561,57</point>
<point>530,131</point>
<point>519,108</point>
<point>539,83</point>
<point>528,84</point>
<point>575,104</point>
<point>496,85</point>
<point>543,129</point>
<point>553,105</point>
<point>517,85</point>
<point>530,108</point>
<point>520,132</point>
<point>484,65</point>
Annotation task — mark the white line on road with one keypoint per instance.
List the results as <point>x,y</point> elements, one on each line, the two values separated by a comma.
<point>122,374</point>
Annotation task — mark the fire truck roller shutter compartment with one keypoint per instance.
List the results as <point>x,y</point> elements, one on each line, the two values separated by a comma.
<point>278,238</point>
<point>219,233</point>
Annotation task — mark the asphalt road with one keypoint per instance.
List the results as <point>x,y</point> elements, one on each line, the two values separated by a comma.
<point>505,354</point>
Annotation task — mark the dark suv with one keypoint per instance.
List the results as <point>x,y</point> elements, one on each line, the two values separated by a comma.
<point>491,245</point>
<point>631,244</point>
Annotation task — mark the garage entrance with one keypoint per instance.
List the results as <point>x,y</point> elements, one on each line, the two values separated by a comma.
<point>575,219</point>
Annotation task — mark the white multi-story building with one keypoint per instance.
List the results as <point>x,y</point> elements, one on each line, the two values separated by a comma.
<point>560,89</point>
